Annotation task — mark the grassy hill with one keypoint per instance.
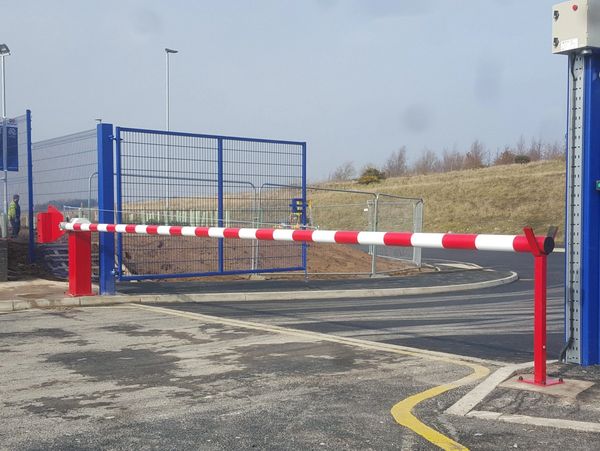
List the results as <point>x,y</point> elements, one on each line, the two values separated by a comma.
<point>498,199</point>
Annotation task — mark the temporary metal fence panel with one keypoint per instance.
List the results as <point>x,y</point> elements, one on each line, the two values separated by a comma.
<point>399,213</point>
<point>64,174</point>
<point>18,181</point>
<point>174,178</point>
<point>331,208</point>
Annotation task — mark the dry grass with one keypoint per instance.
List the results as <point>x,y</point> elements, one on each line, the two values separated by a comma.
<point>499,199</point>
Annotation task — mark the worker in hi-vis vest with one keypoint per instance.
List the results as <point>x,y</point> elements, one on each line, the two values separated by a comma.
<point>14,216</point>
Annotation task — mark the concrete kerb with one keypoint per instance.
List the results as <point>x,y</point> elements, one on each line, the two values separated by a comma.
<point>464,406</point>
<point>25,304</point>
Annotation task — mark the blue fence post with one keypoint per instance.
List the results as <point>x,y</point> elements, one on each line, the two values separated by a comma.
<point>220,200</point>
<point>304,207</point>
<point>31,253</point>
<point>119,202</point>
<point>106,206</point>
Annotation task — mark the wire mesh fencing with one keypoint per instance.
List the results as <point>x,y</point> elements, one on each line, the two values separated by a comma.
<point>398,214</point>
<point>64,174</point>
<point>173,178</point>
<point>340,209</point>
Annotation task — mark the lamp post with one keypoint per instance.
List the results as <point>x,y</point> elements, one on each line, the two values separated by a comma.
<point>167,54</point>
<point>4,52</point>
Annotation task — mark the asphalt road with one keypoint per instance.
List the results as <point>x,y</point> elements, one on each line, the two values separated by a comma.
<point>495,323</point>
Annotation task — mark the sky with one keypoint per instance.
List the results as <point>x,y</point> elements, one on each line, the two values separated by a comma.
<point>355,79</point>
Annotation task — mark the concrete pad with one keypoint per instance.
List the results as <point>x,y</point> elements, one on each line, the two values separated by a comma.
<point>569,389</point>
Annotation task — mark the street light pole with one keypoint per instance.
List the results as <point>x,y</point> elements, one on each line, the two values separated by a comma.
<point>4,52</point>
<point>167,53</point>
<point>167,108</point>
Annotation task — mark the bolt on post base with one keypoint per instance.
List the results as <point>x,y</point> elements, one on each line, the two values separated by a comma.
<point>547,382</point>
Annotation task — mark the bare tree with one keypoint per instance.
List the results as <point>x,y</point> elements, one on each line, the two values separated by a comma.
<point>344,172</point>
<point>535,150</point>
<point>452,160</point>
<point>521,146</point>
<point>395,166</point>
<point>474,158</point>
<point>554,151</point>
<point>507,156</point>
<point>427,163</point>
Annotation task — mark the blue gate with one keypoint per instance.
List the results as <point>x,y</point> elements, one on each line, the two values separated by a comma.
<point>175,178</point>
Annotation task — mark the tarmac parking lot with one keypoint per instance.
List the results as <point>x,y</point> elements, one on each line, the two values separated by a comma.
<point>126,377</point>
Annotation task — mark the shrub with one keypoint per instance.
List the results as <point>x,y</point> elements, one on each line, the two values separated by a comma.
<point>371,175</point>
<point>522,159</point>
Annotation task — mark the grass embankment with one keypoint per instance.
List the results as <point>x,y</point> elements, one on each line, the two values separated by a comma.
<point>498,199</point>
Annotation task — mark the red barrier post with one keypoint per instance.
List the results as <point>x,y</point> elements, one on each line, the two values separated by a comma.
<point>80,264</point>
<point>539,320</point>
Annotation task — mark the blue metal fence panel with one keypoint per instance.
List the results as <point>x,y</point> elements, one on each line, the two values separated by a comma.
<point>192,179</point>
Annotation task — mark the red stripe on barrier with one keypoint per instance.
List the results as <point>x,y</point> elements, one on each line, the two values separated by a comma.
<point>201,231</point>
<point>302,235</point>
<point>264,234</point>
<point>93,227</point>
<point>397,239</point>
<point>76,226</point>
<point>520,244</point>
<point>231,233</point>
<point>456,241</point>
<point>175,230</point>
<point>152,229</point>
<point>111,228</point>
<point>130,228</point>
<point>346,237</point>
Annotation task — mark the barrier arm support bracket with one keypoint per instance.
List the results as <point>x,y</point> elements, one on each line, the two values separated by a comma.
<point>540,255</point>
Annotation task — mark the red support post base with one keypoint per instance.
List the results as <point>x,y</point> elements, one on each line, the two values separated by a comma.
<point>539,325</point>
<point>80,264</point>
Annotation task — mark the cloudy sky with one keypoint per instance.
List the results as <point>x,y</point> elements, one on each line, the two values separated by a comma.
<point>356,79</point>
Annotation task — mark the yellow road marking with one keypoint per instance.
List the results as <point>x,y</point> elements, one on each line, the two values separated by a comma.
<point>402,411</point>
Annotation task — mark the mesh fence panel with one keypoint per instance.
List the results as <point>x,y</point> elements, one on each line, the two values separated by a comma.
<point>65,173</point>
<point>399,215</point>
<point>173,178</point>
<point>65,176</point>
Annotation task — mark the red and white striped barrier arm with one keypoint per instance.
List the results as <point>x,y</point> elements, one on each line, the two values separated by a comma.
<point>506,243</point>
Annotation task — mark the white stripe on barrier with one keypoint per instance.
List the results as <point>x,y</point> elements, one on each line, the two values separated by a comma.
<point>85,227</point>
<point>120,228</point>
<point>216,232</point>
<point>163,230</point>
<point>495,242</point>
<point>371,238</point>
<point>324,236</point>
<point>283,235</point>
<point>188,231</point>
<point>143,229</point>
<point>248,234</point>
<point>102,227</point>
<point>430,240</point>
